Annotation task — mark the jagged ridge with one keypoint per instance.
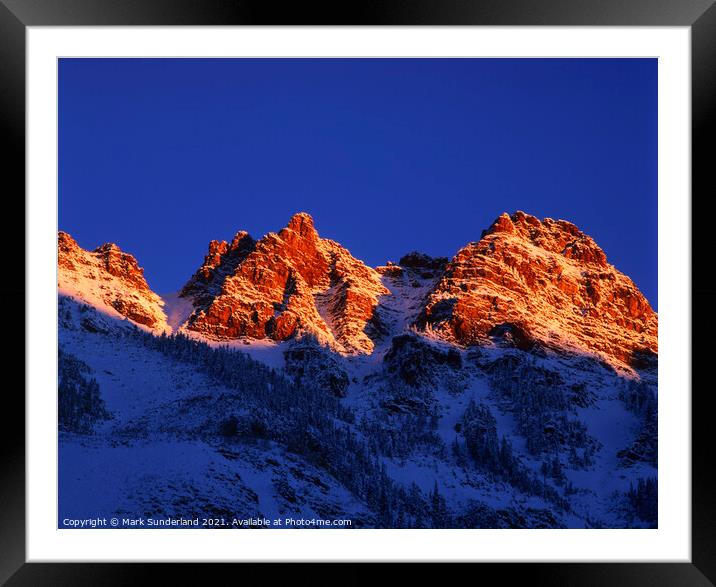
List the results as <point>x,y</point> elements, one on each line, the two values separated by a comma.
<point>527,283</point>
<point>541,283</point>
<point>286,284</point>
<point>109,279</point>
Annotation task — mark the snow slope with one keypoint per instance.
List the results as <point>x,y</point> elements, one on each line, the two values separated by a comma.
<point>137,465</point>
<point>156,460</point>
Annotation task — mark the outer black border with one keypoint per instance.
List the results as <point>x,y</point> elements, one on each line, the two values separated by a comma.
<point>15,15</point>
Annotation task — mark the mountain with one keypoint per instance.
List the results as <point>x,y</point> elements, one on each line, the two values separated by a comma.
<point>532,283</point>
<point>512,386</point>
<point>285,284</point>
<point>108,279</point>
<point>528,283</point>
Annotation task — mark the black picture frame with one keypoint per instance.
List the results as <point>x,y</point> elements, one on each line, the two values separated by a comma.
<point>700,15</point>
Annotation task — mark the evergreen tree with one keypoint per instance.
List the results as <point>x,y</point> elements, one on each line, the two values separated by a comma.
<point>79,404</point>
<point>643,500</point>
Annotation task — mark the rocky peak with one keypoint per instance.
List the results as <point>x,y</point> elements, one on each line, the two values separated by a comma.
<point>108,279</point>
<point>65,241</point>
<point>67,250</point>
<point>220,260</point>
<point>121,265</point>
<point>288,283</point>
<point>556,236</point>
<point>302,225</point>
<point>530,282</point>
<point>242,241</point>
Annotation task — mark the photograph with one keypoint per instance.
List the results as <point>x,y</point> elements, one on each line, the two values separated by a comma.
<point>357,293</point>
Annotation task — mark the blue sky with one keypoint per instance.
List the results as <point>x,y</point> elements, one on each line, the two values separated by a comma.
<point>388,155</point>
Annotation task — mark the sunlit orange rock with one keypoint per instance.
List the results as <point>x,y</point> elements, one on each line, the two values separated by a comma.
<point>107,278</point>
<point>532,283</point>
<point>286,283</point>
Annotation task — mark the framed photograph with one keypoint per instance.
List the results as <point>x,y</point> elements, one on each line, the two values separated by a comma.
<point>379,292</point>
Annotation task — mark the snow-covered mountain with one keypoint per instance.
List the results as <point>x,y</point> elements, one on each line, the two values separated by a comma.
<point>511,386</point>
<point>288,283</point>
<point>109,280</point>
<point>542,283</point>
<point>526,283</point>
